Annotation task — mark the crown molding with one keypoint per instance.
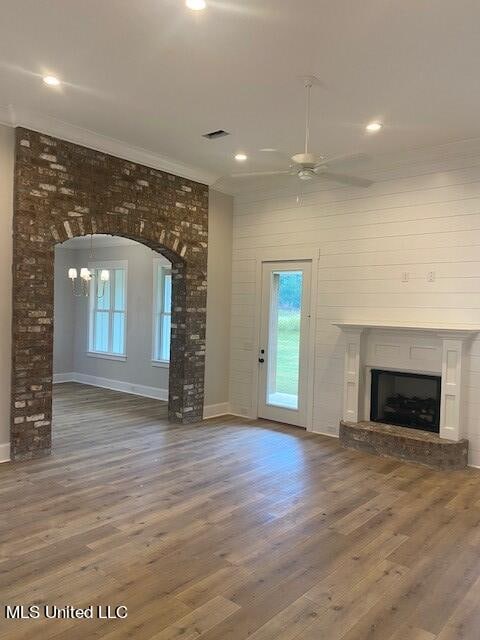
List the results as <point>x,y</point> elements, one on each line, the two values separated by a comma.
<point>12,116</point>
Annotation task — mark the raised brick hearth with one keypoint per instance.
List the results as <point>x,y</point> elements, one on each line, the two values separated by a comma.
<point>411,445</point>
<point>63,190</point>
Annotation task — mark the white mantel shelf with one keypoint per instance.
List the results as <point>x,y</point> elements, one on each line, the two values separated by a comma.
<point>445,329</point>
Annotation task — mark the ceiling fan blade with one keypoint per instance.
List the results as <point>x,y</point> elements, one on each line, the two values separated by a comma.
<point>354,181</point>
<point>348,159</point>
<point>255,174</point>
<point>277,152</point>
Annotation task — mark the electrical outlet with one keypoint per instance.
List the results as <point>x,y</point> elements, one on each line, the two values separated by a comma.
<point>405,276</point>
<point>431,276</point>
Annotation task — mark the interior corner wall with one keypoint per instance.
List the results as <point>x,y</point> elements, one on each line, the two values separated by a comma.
<point>405,250</point>
<point>219,297</point>
<point>7,152</point>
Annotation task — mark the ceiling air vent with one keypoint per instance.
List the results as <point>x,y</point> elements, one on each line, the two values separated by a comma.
<point>213,135</point>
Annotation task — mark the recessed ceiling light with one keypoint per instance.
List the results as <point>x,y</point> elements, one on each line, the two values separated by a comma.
<point>196,5</point>
<point>373,127</point>
<point>52,81</point>
<point>240,157</point>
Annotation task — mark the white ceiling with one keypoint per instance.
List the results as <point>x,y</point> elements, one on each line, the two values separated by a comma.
<point>157,76</point>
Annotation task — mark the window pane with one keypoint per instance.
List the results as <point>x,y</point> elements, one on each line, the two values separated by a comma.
<point>118,338</point>
<point>100,336</point>
<point>284,347</point>
<point>102,291</point>
<point>167,293</point>
<point>165,345</point>
<point>158,290</point>
<point>157,335</point>
<point>162,310</point>
<point>119,275</point>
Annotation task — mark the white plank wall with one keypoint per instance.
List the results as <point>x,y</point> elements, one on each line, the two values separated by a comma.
<point>422,215</point>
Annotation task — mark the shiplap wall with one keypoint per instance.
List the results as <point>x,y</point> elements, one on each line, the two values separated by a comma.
<point>422,215</point>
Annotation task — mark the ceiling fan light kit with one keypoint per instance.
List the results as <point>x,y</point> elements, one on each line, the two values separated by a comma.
<point>306,173</point>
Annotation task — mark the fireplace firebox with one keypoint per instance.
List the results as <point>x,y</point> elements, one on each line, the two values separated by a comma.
<point>406,399</point>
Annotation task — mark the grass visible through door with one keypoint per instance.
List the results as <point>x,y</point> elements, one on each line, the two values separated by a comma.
<point>288,351</point>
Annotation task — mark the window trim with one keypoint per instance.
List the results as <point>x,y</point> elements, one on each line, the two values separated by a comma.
<point>158,265</point>
<point>107,355</point>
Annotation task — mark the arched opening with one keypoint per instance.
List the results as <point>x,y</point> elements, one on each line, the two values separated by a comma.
<point>112,327</point>
<point>64,191</point>
<point>184,380</point>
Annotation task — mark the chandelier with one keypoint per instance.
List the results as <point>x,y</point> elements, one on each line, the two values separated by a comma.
<point>81,286</point>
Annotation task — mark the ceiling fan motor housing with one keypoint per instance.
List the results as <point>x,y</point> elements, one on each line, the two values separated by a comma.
<point>305,159</point>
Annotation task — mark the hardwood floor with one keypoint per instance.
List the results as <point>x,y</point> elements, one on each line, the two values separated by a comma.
<point>232,529</point>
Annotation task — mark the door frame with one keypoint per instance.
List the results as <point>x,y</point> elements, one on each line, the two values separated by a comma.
<point>287,254</point>
<point>269,410</point>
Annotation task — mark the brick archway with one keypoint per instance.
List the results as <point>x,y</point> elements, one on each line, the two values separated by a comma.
<point>62,191</point>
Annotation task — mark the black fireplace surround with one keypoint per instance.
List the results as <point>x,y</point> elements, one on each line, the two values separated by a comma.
<point>406,399</point>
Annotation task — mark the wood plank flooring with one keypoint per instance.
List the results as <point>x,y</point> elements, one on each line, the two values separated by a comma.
<point>232,530</point>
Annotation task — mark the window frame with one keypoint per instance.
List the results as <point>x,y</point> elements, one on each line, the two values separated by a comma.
<point>109,265</point>
<point>160,269</point>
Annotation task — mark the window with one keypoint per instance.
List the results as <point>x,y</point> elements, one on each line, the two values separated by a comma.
<point>108,301</point>
<point>162,311</point>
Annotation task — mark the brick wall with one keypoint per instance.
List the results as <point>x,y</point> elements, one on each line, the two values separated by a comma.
<point>63,190</point>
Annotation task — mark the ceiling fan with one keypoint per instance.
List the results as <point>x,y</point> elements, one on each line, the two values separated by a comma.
<point>307,165</point>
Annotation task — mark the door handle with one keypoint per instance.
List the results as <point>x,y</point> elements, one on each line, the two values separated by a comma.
<point>261,360</point>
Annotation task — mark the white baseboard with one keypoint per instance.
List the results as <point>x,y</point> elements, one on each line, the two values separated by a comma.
<point>248,413</point>
<point>63,377</point>
<point>216,410</point>
<point>209,411</point>
<point>5,452</point>
<point>114,385</point>
<point>325,433</point>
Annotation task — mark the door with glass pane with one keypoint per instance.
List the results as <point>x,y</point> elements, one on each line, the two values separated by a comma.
<point>283,355</point>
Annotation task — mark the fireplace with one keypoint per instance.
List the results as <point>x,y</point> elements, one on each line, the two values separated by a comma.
<point>406,399</point>
<point>431,404</point>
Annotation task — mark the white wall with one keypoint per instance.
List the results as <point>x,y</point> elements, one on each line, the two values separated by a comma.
<point>7,145</point>
<point>422,215</point>
<point>219,293</point>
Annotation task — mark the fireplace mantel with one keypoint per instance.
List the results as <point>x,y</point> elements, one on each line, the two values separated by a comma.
<point>465,331</point>
<point>426,348</point>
